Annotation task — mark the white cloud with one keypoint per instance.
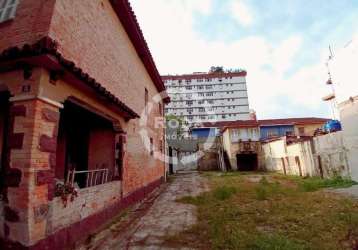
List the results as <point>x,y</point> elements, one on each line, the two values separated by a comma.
<point>241,12</point>
<point>178,49</point>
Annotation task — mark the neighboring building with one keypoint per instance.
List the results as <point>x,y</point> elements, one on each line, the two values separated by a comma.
<point>324,156</point>
<point>343,71</point>
<point>306,126</point>
<point>241,144</point>
<point>74,78</point>
<point>202,97</point>
<point>349,118</point>
<point>204,132</point>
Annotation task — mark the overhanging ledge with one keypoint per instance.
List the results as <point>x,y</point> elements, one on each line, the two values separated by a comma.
<point>44,53</point>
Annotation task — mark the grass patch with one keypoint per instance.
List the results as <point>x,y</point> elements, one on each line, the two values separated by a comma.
<point>276,242</point>
<point>274,212</point>
<point>224,192</point>
<point>314,183</point>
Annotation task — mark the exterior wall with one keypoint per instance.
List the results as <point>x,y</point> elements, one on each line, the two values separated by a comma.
<point>2,120</point>
<point>308,128</point>
<point>349,119</point>
<point>104,50</point>
<point>203,132</point>
<point>245,134</point>
<point>31,23</point>
<point>201,98</point>
<point>209,161</point>
<point>278,130</point>
<point>324,156</point>
<point>101,151</point>
<point>273,153</point>
<point>235,141</point>
<point>89,201</point>
<point>333,155</point>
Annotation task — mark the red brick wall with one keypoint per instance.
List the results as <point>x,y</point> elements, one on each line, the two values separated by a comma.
<point>101,150</point>
<point>31,23</point>
<point>90,34</point>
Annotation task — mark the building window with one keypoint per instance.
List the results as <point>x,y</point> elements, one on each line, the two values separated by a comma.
<point>208,87</point>
<point>188,87</point>
<point>200,87</point>
<point>161,146</point>
<point>201,102</point>
<point>151,146</point>
<point>301,130</point>
<point>201,109</point>
<point>146,99</point>
<point>189,102</point>
<point>210,101</point>
<point>209,94</point>
<point>8,9</point>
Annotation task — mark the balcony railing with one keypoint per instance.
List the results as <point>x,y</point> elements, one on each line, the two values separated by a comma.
<point>92,177</point>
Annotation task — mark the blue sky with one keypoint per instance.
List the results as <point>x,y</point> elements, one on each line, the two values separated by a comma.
<point>283,45</point>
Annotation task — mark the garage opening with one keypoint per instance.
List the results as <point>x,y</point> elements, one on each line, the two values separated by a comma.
<point>247,162</point>
<point>4,123</point>
<point>85,147</point>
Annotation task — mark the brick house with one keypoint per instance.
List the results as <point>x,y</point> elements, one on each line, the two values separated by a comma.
<point>75,77</point>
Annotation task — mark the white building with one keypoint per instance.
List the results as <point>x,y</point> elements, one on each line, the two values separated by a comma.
<point>208,97</point>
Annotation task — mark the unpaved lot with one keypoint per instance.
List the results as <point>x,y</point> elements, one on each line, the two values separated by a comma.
<point>148,225</point>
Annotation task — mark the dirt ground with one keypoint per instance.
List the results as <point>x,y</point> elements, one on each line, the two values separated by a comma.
<point>147,225</point>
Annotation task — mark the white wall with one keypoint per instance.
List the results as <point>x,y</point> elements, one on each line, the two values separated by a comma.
<point>349,119</point>
<point>244,134</point>
<point>333,154</point>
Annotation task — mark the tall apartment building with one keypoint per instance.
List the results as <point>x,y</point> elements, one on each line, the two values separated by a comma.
<point>208,97</point>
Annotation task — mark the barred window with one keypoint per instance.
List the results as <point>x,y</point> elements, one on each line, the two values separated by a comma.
<point>8,9</point>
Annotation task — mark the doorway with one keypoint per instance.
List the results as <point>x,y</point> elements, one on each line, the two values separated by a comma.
<point>247,162</point>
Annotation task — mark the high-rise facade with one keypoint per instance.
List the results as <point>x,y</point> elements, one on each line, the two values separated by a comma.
<point>208,97</point>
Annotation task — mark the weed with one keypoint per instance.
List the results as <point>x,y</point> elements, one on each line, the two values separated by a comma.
<point>224,192</point>
<point>315,183</point>
<point>276,242</point>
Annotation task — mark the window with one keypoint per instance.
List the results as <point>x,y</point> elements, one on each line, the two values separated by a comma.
<point>188,87</point>
<point>8,9</point>
<point>201,102</point>
<point>208,87</point>
<point>189,102</point>
<point>201,94</point>
<point>146,99</point>
<point>209,94</point>
<point>301,130</point>
<point>151,147</point>
<point>210,101</point>
<point>200,87</point>
<point>188,95</point>
<point>189,110</point>
<point>188,81</point>
<point>201,109</point>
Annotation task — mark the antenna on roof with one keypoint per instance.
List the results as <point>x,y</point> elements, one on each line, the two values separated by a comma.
<point>331,97</point>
